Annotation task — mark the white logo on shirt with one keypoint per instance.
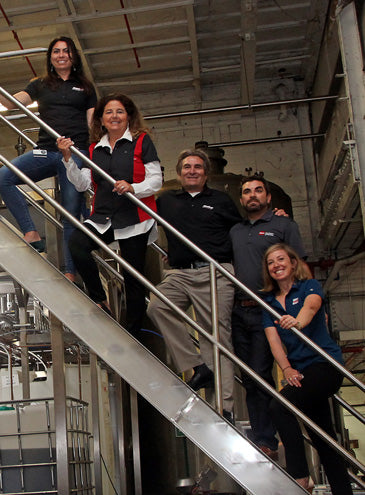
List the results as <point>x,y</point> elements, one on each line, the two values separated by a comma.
<point>208,207</point>
<point>75,88</point>
<point>296,300</point>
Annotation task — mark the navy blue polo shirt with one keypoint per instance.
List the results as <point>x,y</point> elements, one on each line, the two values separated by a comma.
<point>299,354</point>
<point>251,240</point>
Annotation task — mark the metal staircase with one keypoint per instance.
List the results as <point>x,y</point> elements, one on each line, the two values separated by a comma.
<point>236,455</point>
<point>144,372</point>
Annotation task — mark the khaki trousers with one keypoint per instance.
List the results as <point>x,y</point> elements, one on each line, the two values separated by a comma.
<point>191,287</point>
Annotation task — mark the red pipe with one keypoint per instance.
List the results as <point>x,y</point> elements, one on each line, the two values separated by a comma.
<point>130,35</point>
<point>16,37</point>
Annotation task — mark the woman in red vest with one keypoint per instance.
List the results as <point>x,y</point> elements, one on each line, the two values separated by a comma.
<point>125,151</point>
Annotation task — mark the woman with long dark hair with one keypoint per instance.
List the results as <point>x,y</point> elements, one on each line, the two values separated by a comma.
<point>126,152</point>
<point>66,100</point>
<point>311,380</point>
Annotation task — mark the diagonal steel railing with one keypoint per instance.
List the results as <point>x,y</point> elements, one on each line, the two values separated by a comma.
<point>148,376</point>
<point>28,198</point>
<point>186,241</point>
<point>213,263</point>
<point>191,322</point>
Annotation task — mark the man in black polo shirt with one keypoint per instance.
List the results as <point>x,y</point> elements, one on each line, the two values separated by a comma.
<point>250,239</point>
<point>205,216</point>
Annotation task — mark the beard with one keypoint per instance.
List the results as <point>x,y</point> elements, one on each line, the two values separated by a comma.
<point>255,206</point>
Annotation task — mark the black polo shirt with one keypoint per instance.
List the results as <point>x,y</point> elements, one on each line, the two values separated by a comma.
<point>63,109</point>
<point>250,241</point>
<point>205,219</point>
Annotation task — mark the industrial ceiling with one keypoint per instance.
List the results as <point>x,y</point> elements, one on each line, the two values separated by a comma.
<point>154,48</point>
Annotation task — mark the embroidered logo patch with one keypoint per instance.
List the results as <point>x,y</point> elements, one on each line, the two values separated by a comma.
<point>208,207</point>
<point>75,88</point>
<point>262,232</point>
<point>295,300</point>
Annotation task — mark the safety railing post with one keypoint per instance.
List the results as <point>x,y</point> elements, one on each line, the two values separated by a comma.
<point>217,266</point>
<point>193,324</point>
<point>215,332</point>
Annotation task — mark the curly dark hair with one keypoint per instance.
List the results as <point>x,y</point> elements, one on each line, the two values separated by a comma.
<point>137,124</point>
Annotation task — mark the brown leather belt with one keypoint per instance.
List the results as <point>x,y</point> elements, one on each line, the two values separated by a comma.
<point>246,303</point>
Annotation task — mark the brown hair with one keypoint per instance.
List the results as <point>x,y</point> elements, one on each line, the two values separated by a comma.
<point>300,270</point>
<point>137,124</point>
<point>257,177</point>
<point>52,80</point>
<point>199,153</point>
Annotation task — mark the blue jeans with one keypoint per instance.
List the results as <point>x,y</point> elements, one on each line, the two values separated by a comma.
<point>251,346</point>
<point>38,168</point>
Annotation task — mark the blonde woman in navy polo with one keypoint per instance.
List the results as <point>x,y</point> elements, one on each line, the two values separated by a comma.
<point>310,379</point>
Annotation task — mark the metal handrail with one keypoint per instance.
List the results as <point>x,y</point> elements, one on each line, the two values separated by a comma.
<point>349,408</point>
<point>26,195</point>
<point>213,264</point>
<point>191,322</point>
<point>187,242</point>
<point>21,53</point>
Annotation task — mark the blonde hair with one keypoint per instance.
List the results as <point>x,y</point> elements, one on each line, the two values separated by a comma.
<point>300,270</point>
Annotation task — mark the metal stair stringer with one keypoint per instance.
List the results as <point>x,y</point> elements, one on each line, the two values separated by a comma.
<point>142,370</point>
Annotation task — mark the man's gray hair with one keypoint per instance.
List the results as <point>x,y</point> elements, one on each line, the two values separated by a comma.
<point>199,153</point>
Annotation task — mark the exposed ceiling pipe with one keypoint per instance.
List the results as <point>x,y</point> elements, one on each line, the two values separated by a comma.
<point>240,107</point>
<point>130,35</point>
<point>266,140</point>
<point>189,113</point>
<point>16,37</point>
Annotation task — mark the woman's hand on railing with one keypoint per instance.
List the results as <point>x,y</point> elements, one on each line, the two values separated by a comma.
<point>288,321</point>
<point>293,377</point>
<point>122,186</point>
<point>64,144</point>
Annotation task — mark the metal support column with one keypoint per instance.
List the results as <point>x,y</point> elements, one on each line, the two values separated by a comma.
<point>310,177</point>
<point>352,60</point>
<point>116,407</point>
<point>22,297</point>
<point>135,440</point>
<point>59,392</point>
<point>96,421</point>
<point>53,237</point>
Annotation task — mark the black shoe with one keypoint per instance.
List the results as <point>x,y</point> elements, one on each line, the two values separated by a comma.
<point>40,246</point>
<point>203,378</point>
<point>228,415</point>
